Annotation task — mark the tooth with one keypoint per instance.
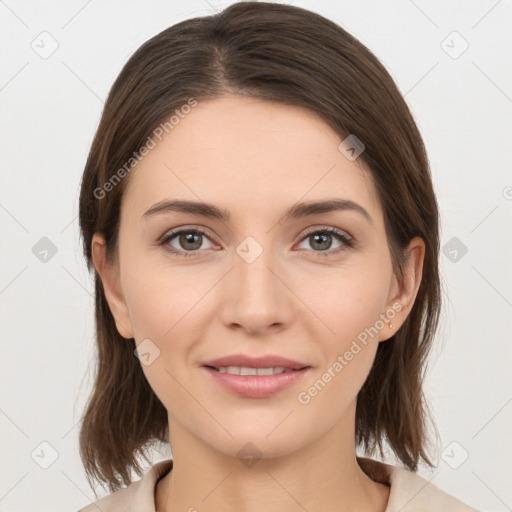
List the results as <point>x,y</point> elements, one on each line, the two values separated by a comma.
<point>265,371</point>
<point>244,370</point>
<point>248,371</point>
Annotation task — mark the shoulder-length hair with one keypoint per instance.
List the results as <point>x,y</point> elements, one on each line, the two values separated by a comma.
<point>291,55</point>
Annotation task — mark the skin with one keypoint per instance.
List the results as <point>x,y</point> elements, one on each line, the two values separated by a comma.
<point>256,159</point>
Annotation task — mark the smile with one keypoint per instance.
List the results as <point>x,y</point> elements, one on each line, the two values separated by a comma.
<point>244,370</point>
<point>250,382</point>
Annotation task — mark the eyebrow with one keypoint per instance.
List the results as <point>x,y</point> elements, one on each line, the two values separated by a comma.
<point>297,211</point>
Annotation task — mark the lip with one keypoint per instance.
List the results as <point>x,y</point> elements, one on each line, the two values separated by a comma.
<point>256,386</point>
<point>269,361</point>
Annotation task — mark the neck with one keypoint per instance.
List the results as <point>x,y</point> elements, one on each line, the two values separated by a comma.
<point>323,476</point>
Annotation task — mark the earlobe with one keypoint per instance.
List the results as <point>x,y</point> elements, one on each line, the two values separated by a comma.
<point>109,274</point>
<point>408,286</point>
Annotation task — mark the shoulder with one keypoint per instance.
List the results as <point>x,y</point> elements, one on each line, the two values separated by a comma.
<point>139,496</point>
<point>415,493</point>
<point>117,501</point>
<point>409,492</point>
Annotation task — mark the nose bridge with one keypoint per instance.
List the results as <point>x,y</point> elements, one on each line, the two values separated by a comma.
<point>253,261</point>
<point>256,298</point>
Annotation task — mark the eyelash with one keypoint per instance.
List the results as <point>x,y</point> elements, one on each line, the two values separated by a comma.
<point>347,242</point>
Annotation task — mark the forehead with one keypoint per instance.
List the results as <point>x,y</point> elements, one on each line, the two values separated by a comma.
<point>248,154</point>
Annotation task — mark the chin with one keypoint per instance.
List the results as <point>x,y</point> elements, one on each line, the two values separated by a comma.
<point>250,449</point>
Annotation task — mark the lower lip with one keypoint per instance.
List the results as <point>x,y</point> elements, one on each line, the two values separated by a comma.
<point>257,386</point>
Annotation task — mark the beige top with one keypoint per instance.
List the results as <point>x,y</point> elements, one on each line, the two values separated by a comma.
<point>408,491</point>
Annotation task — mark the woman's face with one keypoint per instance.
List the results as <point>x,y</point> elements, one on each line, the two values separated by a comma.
<point>258,282</point>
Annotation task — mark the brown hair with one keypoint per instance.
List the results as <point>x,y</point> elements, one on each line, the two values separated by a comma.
<point>289,55</point>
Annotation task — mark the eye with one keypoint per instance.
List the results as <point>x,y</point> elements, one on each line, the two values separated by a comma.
<point>322,240</point>
<point>190,241</point>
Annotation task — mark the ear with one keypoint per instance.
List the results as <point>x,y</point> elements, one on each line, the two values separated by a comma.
<point>109,274</point>
<point>403,291</point>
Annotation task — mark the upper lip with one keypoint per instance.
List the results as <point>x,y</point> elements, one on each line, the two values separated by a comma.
<point>269,361</point>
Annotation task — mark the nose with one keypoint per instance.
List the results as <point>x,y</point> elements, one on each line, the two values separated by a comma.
<point>256,297</point>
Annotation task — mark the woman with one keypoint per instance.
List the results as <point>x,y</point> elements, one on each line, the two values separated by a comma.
<point>258,209</point>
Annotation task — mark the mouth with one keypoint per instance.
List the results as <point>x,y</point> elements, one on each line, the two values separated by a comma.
<point>247,370</point>
<point>251,382</point>
<point>247,363</point>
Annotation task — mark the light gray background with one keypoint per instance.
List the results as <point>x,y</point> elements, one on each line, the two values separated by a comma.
<point>50,108</point>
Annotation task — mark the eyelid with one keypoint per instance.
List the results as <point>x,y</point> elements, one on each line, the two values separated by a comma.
<point>328,229</point>
<point>192,227</point>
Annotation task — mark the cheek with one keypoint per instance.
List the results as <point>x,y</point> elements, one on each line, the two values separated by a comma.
<point>348,352</point>
<point>166,307</point>
<point>346,301</point>
<point>162,300</point>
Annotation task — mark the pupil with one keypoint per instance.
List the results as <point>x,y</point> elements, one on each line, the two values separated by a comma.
<point>190,238</point>
<point>324,245</point>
